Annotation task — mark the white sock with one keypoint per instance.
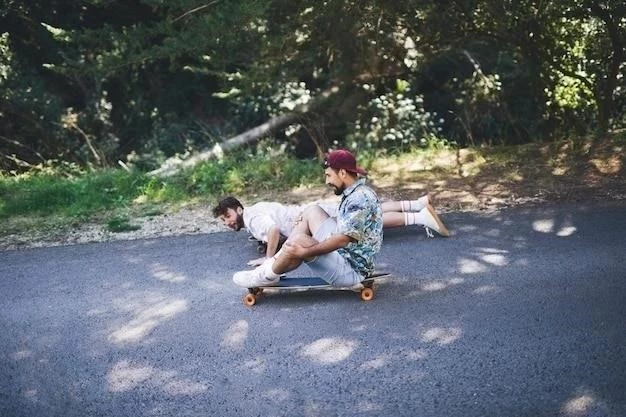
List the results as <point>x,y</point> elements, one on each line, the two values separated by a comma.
<point>268,271</point>
<point>414,205</point>
<point>412,218</point>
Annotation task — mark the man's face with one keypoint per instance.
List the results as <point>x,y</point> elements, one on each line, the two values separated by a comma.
<point>232,219</point>
<point>334,180</point>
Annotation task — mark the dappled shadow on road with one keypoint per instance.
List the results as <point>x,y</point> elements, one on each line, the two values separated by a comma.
<point>500,319</point>
<point>585,402</point>
<point>147,313</point>
<point>125,376</point>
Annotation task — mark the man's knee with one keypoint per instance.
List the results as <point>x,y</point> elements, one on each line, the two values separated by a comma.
<point>314,211</point>
<point>300,239</point>
<point>314,216</point>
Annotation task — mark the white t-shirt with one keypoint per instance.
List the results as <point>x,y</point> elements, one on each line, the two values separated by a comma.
<point>259,218</point>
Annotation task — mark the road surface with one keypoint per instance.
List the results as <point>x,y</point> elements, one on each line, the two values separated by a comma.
<point>520,313</point>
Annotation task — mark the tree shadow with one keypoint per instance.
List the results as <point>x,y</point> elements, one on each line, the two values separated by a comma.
<point>568,170</point>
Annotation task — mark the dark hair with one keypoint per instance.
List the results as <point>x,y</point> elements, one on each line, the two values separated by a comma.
<point>224,204</point>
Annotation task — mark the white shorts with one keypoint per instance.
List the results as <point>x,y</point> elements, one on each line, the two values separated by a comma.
<point>332,267</point>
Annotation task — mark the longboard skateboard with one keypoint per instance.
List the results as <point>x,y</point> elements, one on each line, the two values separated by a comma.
<point>307,283</point>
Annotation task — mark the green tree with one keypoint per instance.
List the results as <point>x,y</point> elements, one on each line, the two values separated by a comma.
<point>95,81</point>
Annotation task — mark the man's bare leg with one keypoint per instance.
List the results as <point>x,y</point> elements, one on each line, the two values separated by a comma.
<point>405,205</point>
<point>284,262</point>
<point>393,219</point>
<point>308,223</point>
<point>427,216</point>
<point>310,220</point>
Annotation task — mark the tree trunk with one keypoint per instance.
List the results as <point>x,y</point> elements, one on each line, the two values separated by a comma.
<point>606,88</point>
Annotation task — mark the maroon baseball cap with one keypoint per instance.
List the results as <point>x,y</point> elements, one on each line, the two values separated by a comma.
<point>343,159</point>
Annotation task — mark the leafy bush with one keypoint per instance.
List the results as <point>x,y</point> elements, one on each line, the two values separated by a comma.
<point>394,122</point>
<point>207,178</point>
<point>266,169</point>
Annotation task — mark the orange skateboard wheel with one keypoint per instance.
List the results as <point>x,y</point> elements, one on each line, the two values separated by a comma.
<point>249,300</point>
<point>367,294</point>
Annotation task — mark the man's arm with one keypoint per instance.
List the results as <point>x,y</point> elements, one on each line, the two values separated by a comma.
<point>261,227</point>
<point>273,238</point>
<point>304,250</point>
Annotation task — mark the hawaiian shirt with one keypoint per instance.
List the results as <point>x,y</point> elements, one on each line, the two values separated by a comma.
<point>360,216</point>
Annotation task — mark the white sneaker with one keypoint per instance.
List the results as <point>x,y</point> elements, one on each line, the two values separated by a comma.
<point>257,277</point>
<point>423,202</point>
<point>432,221</point>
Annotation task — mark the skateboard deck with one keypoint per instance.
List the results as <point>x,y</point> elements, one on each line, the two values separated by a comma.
<point>308,283</point>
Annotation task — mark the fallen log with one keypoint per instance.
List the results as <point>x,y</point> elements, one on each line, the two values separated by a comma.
<point>172,165</point>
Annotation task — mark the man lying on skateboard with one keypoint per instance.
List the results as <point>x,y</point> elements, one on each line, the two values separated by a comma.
<point>339,250</point>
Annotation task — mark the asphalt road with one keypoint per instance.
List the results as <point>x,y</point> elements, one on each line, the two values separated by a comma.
<point>520,313</point>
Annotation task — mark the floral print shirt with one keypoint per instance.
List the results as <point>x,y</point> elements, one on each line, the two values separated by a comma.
<point>360,216</point>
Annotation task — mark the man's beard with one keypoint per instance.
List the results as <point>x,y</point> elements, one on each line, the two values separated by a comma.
<point>240,223</point>
<point>338,190</point>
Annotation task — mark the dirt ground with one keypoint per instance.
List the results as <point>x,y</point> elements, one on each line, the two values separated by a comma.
<point>456,180</point>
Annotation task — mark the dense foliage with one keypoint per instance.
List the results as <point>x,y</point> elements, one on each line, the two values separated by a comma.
<point>94,82</point>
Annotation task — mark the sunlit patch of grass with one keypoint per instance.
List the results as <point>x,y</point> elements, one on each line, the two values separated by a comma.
<point>56,199</point>
<point>610,165</point>
<point>73,197</point>
<point>513,175</point>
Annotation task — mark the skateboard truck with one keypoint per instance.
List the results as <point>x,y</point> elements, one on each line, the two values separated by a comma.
<point>261,247</point>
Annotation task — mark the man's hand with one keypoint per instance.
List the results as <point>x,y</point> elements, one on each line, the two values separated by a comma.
<point>295,250</point>
<point>309,248</point>
<point>257,262</point>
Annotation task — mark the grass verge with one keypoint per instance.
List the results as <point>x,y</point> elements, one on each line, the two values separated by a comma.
<point>55,201</point>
